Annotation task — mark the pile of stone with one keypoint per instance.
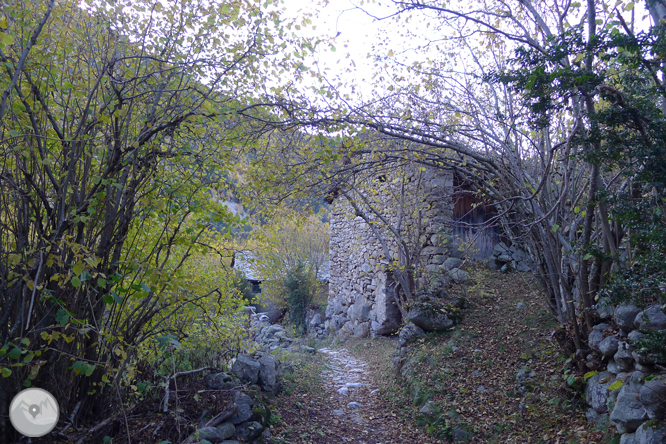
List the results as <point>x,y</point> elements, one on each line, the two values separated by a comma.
<point>249,378</point>
<point>510,258</point>
<point>637,402</point>
<point>269,336</point>
<point>316,325</point>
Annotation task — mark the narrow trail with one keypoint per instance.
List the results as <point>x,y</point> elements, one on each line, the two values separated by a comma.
<point>347,409</point>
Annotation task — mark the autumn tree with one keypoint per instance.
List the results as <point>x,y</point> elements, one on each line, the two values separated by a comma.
<point>112,117</point>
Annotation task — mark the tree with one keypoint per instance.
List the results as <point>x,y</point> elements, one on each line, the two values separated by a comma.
<point>288,243</point>
<point>112,116</point>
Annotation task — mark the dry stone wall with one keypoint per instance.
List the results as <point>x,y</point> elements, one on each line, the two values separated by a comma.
<point>361,287</point>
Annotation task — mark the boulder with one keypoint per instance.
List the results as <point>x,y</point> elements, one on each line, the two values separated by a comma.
<point>625,315</point>
<point>628,438</point>
<point>597,335</point>
<point>246,368</point>
<point>504,258</point>
<point>222,381</point>
<point>459,276</point>
<point>596,391</point>
<point>629,412</point>
<point>409,332</point>
<point>270,371</point>
<point>523,267</point>
<point>451,263</point>
<point>214,434</point>
<point>600,419</point>
<point>316,320</point>
<point>362,330</point>
<point>608,346</point>
<point>361,309</point>
<point>243,404</point>
<point>651,432</point>
<point>623,358</point>
<point>338,321</point>
<point>227,429</point>
<point>249,431</point>
<point>652,319</point>
<point>430,317</point>
<point>653,396</point>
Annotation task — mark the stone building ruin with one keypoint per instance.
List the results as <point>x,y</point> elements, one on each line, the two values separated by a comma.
<point>419,202</point>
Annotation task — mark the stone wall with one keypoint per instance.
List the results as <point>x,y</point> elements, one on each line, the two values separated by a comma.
<point>631,392</point>
<point>361,287</point>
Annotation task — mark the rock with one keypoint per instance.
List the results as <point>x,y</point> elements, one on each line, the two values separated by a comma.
<point>354,405</point>
<point>316,320</point>
<point>249,431</point>
<point>652,319</point>
<point>628,413</point>
<point>459,276</point>
<point>306,349</point>
<point>428,408</point>
<point>601,420</point>
<point>504,258</point>
<point>613,367</point>
<point>338,412</point>
<point>521,306</point>
<point>523,267</point>
<point>338,321</point>
<point>212,434</point>
<point>499,249</point>
<point>608,346</point>
<point>270,371</point>
<point>505,268</point>
<point>653,396</point>
<point>222,381</point>
<point>362,330</point>
<point>623,358</point>
<point>243,405</point>
<point>625,315</point>
<point>227,429</point>
<point>343,391</point>
<point>459,434</point>
<point>409,332</point>
<point>246,368</point>
<point>597,335</point>
<point>451,263</point>
<point>651,432</point>
<point>628,438</point>
<point>361,310</point>
<point>596,391</point>
<point>523,374</point>
<point>430,317</point>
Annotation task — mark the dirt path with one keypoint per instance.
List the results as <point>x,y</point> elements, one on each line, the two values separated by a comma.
<point>343,405</point>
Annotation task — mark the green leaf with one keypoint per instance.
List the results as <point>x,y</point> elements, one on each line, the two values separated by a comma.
<point>6,372</point>
<point>629,6</point>
<point>62,316</point>
<point>15,353</point>
<point>555,228</point>
<point>108,299</point>
<point>78,268</point>
<point>27,383</point>
<point>6,39</point>
<point>101,283</point>
<point>616,385</point>
<point>588,375</point>
<point>76,282</point>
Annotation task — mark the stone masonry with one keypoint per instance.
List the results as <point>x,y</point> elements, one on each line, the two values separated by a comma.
<point>362,288</point>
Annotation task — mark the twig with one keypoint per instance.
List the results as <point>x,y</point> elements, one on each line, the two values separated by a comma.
<point>103,424</point>
<point>174,376</point>
<point>218,419</point>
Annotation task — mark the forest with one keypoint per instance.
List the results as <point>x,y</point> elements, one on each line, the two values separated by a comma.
<point>128,127</point>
